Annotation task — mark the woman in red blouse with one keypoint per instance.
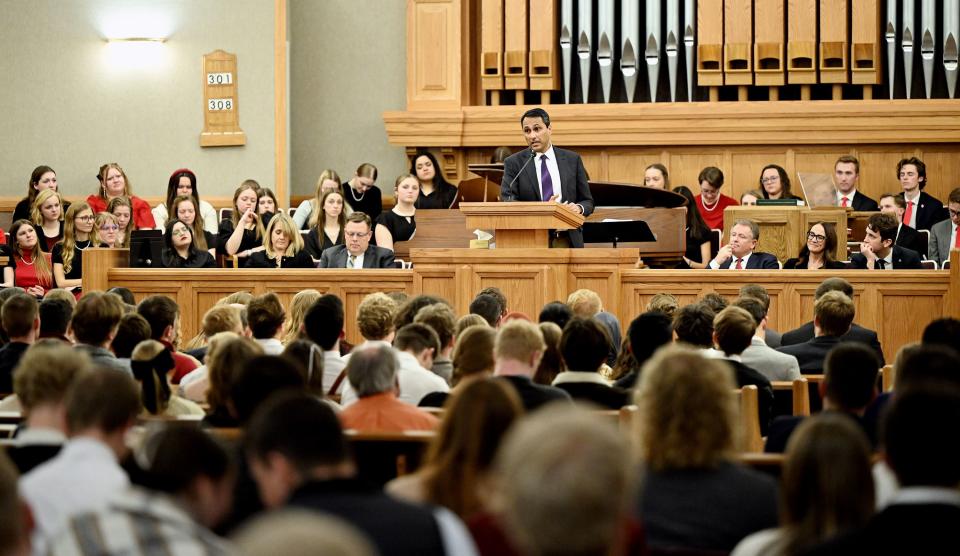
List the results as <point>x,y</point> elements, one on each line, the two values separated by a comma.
<point>114,183</point>
<point>29,267</point>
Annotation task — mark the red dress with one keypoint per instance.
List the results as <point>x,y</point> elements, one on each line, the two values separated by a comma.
<point>142,216</point>
<point>25,275</point>
<point>714,216</point>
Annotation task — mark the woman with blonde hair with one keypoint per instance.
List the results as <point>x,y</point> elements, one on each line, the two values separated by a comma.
<point>282,246</point>
<point>299,306</point>
<point>242,233</point>
<point>398,224</point>
<point>122,208</point>
<point>67,256</point>
<point>47,218</point>
<point>327,231</point>
<point>308,213</point>
<point>151,364</point>
<point>114,183</point>
<point>826,487</point>
<point>106,230</point>
<point>461,456</point>
<point>694,494</point>
<point>29,267</point>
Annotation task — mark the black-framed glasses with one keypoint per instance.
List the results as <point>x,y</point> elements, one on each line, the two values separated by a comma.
<point>953,213</point>
<point>816,237</point>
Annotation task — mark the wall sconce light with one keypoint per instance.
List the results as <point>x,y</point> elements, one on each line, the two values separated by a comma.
<point>131,53</point>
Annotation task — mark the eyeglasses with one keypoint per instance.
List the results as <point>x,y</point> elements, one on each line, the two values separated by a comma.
<point>110,228</point>
<point>356,234</point>
<point>770,179</point>
<point>87,218</point>
<point>953,213</point>
<point>816,237</point>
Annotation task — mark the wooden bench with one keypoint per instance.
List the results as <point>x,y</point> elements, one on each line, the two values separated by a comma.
<point>800,391</point>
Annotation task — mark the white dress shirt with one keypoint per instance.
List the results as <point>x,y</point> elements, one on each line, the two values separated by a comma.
<point>271,346</point>
<point>333,364</point>
<point>733,262</point>
<point>357,260</point>
<point>850,196</point>
<point>415,382</point>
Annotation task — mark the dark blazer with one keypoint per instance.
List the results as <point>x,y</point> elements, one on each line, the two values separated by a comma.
<point>810,354</point>
<point>903,259</point>
<point>373,257</point>
<point>758,261</point>
<point>573,183</point>
<point>609,397</point>
<point>791,264</point>
<point>782,427</point>
<point>902,529</point>
<point>534,395</point>
<point>856,333</point>
<point>929,211</point>
<point>300,260</point>
<point>911,239</point>
<point>864,203</point>
<point>10,355</point>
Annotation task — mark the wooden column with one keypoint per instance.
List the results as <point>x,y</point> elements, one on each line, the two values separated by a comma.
<point>802,42</point>
<point>544,68</point>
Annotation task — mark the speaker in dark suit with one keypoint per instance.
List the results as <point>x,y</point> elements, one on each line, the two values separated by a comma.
<point>544,171</point>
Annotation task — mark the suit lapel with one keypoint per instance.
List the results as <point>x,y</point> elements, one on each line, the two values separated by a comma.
<point>530,177</point>
<point>368,256</point>
<point>562,167</point>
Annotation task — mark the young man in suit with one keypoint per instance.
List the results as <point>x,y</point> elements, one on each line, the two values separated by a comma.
<point>357,251</point>
<point>877,252</point>
<point>739,253</point>
<point>846,173</point>
<point>943,235</point>
<point>517,352</point>
<point>906,236</point>
<point>546,173</point>
<point>833,314</point>
<point>923,210</point>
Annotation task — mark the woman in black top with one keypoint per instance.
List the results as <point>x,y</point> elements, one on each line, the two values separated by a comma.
<point>435,191</point>
<point>186,209</point>
<point>47,218</point>
<point>698,234</point>
<point>775,183</point>
<point>819,252</point>
<point>242,233</point>
<point>67,256</point>
<point>327,231</point>
<point>283,247</point>
<point>362,193</point>
<point>179,249</point>
<point>399,224</point>
<point>42,177</point>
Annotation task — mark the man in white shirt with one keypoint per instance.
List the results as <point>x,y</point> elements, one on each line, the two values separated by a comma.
<point>846,173</point>
<point>323,325</point>
<point>415,346</point>
<point>758,355</point>
<point>101,408</point>
<point>265,316</point>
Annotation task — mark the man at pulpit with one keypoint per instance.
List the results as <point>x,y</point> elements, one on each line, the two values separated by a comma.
<point>739,253</point>
<point>546,173</point>
<point>357,251</point>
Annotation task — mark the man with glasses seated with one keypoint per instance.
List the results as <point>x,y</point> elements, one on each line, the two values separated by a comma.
<point>357,251</point>
<point>739,253</point>
<point>943,235</point>
<point>877,252</point>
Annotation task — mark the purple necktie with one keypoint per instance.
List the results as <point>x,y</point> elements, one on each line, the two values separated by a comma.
<point>546,181</point>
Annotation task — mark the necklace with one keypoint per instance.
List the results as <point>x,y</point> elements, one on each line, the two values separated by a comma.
<point>353,194</point>
<point>24,261</point>
<point>709,209</point>
<point>87,241</point>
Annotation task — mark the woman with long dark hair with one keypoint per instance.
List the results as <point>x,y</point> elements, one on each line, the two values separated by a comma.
<point>775,183</point>
<point>819,251</point>
<point>180,249</point>
<point>184,182</point>
<point>698,234</point>
<point>435,191</point>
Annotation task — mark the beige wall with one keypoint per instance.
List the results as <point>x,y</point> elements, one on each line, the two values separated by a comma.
<point>66,103</point>
<point>347,66</point>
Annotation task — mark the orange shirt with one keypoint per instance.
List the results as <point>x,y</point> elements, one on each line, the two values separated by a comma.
<point>384,412</point>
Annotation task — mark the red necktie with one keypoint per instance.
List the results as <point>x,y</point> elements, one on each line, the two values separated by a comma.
<point>843,202</point>
<point>908,214</point>
<point>956,242</point>
<point>739,265</point>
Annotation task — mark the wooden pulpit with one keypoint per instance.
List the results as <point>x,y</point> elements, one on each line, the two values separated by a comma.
<point>521,225</point>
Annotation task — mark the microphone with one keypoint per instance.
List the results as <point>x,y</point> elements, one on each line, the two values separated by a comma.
<point>533,155</point>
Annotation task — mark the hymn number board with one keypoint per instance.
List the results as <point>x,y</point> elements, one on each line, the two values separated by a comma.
<point>221,115</point>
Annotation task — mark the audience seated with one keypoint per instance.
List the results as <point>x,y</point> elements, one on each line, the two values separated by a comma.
<point>922,210</point>
<point>826,488</point>
<point>758,355</point>
<point>775,184</point>
<point>848,388</point>
<point>647,333</point>
<point>121,208</point>
<point>21,322</point>
<point>327,226</point>
<point>435,191</point>
<point>693,495</point>
<point>710,202</point>
<point>217,319</point>
<point>409,308</point>
<point>820,250</point>
<point>877,252</point>
<point>47,218</point>
<point>85,475</point>
<point>357,252</point>
<point>55,315</point>
<point>187,489</point>
<point>282,246</point>
<point>714,301</point>
<point>733,330</point>
<point>466,321</point>
<point>517,352</point>
<point>299,458</point>
<point>698,233</point>
<point>300,533</point>
<point>739,254</point>
<point>266,204</point>
<point>28,266</point>
<point>771,337</point>
<point>487,307</point>
<point>374,405</point>
<point>228,353</point>
<point>583,346</point>
<point>106,231</point>
<point>943,234</point>
<point>151,362</point>
<point>656,175</point>
<point>398,224</point>
<point>441,318</point>
<point>857,333</point>
<point>323,325</point>
<point>242,233</point>
<point>184,182</point>
<point>265,317</point>
<point>375,318</point>
<point>308,214</point>
<point>922,516</point>
<point>665,303</point>
<point>749,197</point>
<point>163,315</point>
<point>472,360</point>
<point>944,332</point>
<point>187,210</point>
<point>833,314</point>
<point>906,237</point>
<point>299,305</point>
<point>415,345</point>
<point>94,325</point>
<point>41,385</point>
<point>114,183</point>
<point>362,193</point>
<point>42,178</point>
<point>500,296</point>
<point>586,303</point>
<point>260,378</point>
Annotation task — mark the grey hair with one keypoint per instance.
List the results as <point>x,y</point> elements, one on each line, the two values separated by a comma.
<point>754,229</point>
<point>372,371</point>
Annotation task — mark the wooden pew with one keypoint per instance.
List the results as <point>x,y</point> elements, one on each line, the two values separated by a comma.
<point>749,419</point>
<point>888,376</point>
<point>800,393</point>
<point>382,456</point>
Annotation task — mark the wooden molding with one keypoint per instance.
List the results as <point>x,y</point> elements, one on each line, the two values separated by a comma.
<point>280,99</point>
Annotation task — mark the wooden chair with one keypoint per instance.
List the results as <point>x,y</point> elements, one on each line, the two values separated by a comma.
<point>801,393</point>
<point>928,264</point>
<point>888,376</point>
<point>748,401</point>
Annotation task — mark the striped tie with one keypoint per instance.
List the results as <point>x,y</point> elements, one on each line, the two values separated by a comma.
<point>351,261</point>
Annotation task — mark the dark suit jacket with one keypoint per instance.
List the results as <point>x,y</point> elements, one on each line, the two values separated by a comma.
<point>758,261</point>
<point>810,354</point>
<point>857,333</point>
<point>902,529</point>
<point>911,239</point>
<point>573,183</point>
<point>600,394</point>
<point>10,355</point>
<point>862,202</point>
<point>782,427</point>
<point>534,395</point>
<point>903,259</point>
<point>929,211</point>
<point>373,257</point>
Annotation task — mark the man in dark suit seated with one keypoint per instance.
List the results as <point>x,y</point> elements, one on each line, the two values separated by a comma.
<point>846,173</point>
<point>357,252</point>
<point>848,387</point>
<point>832,315</point>
<point>877,252</point>
<point>922,209</point>
<point>857,333</point>
<point>739,253</point>
<point>906,236</point>
<point>517,352</point>
<point>583,346</point>
<point>923,515</point>
<point>555,174</point>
